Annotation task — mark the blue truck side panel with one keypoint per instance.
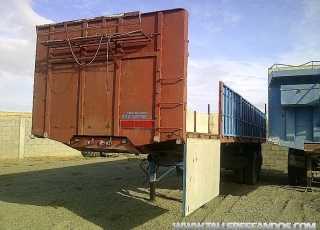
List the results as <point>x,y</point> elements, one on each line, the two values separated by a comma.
<point>239,117</point>
<point>294,106</point>
<point>295,95</point>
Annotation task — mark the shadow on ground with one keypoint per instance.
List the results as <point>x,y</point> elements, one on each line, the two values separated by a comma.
<point>272,177</point>
<point>108,194</point>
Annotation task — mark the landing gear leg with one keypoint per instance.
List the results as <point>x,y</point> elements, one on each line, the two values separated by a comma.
<point>309,174</point>
<point>153,177</point>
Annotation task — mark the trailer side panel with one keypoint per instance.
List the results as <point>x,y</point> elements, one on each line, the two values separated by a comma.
<point>112,77</point>
<point>239,120</point>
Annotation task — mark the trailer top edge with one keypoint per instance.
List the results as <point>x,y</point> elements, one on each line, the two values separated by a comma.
<point>305,66</point>
<point>127,14</point>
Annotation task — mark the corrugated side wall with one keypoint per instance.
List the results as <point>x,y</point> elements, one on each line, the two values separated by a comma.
<point>274,156</point>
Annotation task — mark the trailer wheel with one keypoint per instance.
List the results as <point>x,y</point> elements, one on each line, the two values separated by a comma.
<point>296,176</point>
<point>252,169</point>
<point>293,176</point>
<point>238,176</point>
<point>259,164</point>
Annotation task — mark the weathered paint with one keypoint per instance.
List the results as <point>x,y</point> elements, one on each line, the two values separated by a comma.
<point>91,75</point>
<point>239,120</point>
<point>294,106</point>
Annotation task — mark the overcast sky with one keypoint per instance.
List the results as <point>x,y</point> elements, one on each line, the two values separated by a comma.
<point>235,41</point>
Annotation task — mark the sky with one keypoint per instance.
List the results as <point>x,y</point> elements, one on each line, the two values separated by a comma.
<point>234,41</point>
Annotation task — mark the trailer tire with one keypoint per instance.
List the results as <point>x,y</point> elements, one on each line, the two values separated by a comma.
<point>293,176</point>
<point>296,176</point>
<point>259,165</point>
<point>252,169</point>
<point>238,176</point>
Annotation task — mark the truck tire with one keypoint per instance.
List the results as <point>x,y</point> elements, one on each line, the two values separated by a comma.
<point>238,176</point>
<point>259,165</point>
<point>252,169</point>
<point>293,176</point>
<point>297,176</point>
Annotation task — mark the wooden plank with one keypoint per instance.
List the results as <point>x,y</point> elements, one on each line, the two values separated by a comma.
<point>214,123</point>
<point>198,122</point>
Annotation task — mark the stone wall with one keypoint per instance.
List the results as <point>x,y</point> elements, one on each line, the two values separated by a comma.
<point>16,141</point>
<point>274,156</point>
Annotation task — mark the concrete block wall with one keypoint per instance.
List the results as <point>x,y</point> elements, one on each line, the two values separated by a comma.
<point>9,137</point>
<point>15,140</point>
<point>274,157</point>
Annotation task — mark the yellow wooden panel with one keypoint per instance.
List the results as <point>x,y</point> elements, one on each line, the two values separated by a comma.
<point>214,127</point>
<point>190,121</point>
<point>201,122</point>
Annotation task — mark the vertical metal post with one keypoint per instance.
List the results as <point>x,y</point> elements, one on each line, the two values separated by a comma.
<point>152,177</point>
<point>158,77</point>
<point>221,112</point>
<point>194,121</point>
<point>208,118</point>
<point>309,173</point>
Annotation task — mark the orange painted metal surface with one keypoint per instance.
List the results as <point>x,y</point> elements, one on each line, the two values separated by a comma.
<point>121,77</point>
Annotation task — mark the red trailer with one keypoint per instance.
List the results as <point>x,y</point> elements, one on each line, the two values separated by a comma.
<point>113,83</point>
<point>118,84</point>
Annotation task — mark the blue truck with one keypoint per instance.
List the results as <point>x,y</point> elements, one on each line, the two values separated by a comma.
<point>294,118</point>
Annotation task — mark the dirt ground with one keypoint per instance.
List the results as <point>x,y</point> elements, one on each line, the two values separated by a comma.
<point>107,193</point>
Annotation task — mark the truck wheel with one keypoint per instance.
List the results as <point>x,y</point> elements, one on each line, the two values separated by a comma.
<point>238,176</point>
<point>251,171</point>
<point>259,164</point>
<point>293,176</point>
<point>258,170</point>
<point>297,176</point>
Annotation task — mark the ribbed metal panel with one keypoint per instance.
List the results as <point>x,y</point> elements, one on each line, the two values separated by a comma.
<point>239,117</point>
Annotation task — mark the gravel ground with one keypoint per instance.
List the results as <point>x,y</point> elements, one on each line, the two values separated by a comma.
<point>107,193</point>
